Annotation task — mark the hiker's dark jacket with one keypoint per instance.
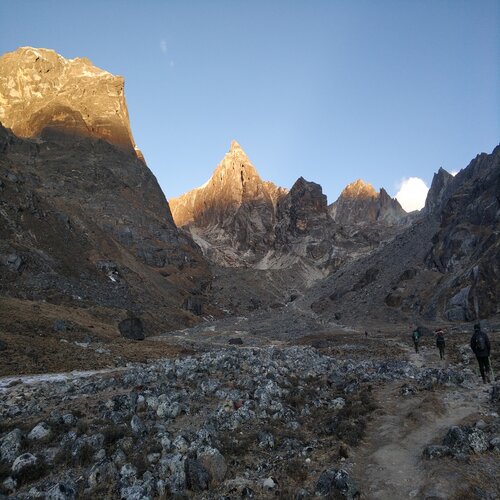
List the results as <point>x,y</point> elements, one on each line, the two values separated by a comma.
<point>476,343</point>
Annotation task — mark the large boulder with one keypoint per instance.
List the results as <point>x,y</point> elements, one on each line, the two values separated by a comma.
<point>131,328</point>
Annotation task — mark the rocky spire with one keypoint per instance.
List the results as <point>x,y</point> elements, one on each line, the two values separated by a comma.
<point>436,195</point>
<point>234,183</point>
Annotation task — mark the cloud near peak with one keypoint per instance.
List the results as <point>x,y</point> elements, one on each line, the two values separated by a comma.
<point>412,193</point>
<point>163,46</point>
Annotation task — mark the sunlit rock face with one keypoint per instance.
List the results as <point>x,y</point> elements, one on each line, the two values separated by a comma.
<point>239,220</point>
<point>42,94</point>
<point>235,185</point>
<point>234,208</point>
<point>359,203</point>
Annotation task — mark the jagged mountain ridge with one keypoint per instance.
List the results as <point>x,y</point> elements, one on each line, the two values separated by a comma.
<point>428,270</point>
<point>240,220</point>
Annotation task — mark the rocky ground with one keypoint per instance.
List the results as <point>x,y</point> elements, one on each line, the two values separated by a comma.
<point>332,413</point>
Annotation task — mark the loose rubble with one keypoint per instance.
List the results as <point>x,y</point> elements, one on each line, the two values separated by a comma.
<point>205,423</point>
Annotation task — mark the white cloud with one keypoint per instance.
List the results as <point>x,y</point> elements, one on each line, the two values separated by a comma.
<point>172,64</point>
<point>412,193</point>
<point>163,46</point>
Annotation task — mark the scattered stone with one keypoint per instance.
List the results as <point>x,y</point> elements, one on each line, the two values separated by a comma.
<point>9,485</point>
<point>137,426</point>
<point>338,403</point>
<point>172,469</point>
<point>128,472</point>
<point>197,477</point>
<point>41,431</point>
<point>269,483</point>
<point>495,444</point>
<point>10,445</point>
<point>235,341</point>
<point>61,491</point>
<point>336,481</point>
<point>214,463</point>
<point>22,462</point>
<point>436,451</point>
<point>60,325</point>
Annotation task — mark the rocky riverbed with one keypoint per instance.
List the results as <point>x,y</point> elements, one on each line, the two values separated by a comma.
<point>228,423</point>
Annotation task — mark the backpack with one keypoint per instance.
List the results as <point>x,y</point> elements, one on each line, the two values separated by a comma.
<point>440,340</point>
<point>481,343</point>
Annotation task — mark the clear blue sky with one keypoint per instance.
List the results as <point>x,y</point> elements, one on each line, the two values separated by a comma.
<point>330,90</point>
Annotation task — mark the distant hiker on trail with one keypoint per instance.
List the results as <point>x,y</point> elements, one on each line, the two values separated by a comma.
<point>416,337</point>
<point>366,333</point>
<point>440,343</point>
<point>480,344</point>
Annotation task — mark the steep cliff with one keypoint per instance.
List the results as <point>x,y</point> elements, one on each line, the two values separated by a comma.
<point>42,94</point>
<point>83,221</point>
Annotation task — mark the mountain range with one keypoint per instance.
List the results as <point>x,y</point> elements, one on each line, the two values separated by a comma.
<point>85,226</point>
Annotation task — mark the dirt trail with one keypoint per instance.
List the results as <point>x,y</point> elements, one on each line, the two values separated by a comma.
<point>388,464</point>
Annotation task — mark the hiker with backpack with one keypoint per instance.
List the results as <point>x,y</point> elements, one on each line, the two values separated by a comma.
<point>440,342</point>
<point>416,337</point>
<point>480,344</point>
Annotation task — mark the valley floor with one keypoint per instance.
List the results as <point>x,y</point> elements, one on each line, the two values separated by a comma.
<point>238,411</point>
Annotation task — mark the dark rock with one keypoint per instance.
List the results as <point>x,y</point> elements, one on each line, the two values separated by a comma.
<point>12,261</point>
<point>436,451</point>
<point>336,481</point>
<point>3,345</point>
<point>235,341</point>
<point>59,325</point>
<point>131,328</point>
<point>197,477</point>
<point>393,300</point>
<point>408,274</point>
<point>10,445</point>
<point>194,304</point>
<point>61,491</point>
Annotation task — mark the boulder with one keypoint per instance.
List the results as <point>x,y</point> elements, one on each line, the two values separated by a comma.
<point>197,477</point>
<point>214,463</point>
<point>10,445</point>
<point>137,426</point>
<point>336,482</point>
<point>23,462</point>
<point>131,328</point>
<point>39,432</point>
<point>61,491</point>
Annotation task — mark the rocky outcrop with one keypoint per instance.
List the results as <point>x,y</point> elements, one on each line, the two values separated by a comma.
<point>359,203</point>
<point>437,192</point>
<point>42,94</point>
<point>466,249</point>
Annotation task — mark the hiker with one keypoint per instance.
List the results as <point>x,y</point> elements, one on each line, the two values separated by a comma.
<point>480,344</point>
<point>440,343</point>
<point>416,337</point>
<point>366,333</point>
